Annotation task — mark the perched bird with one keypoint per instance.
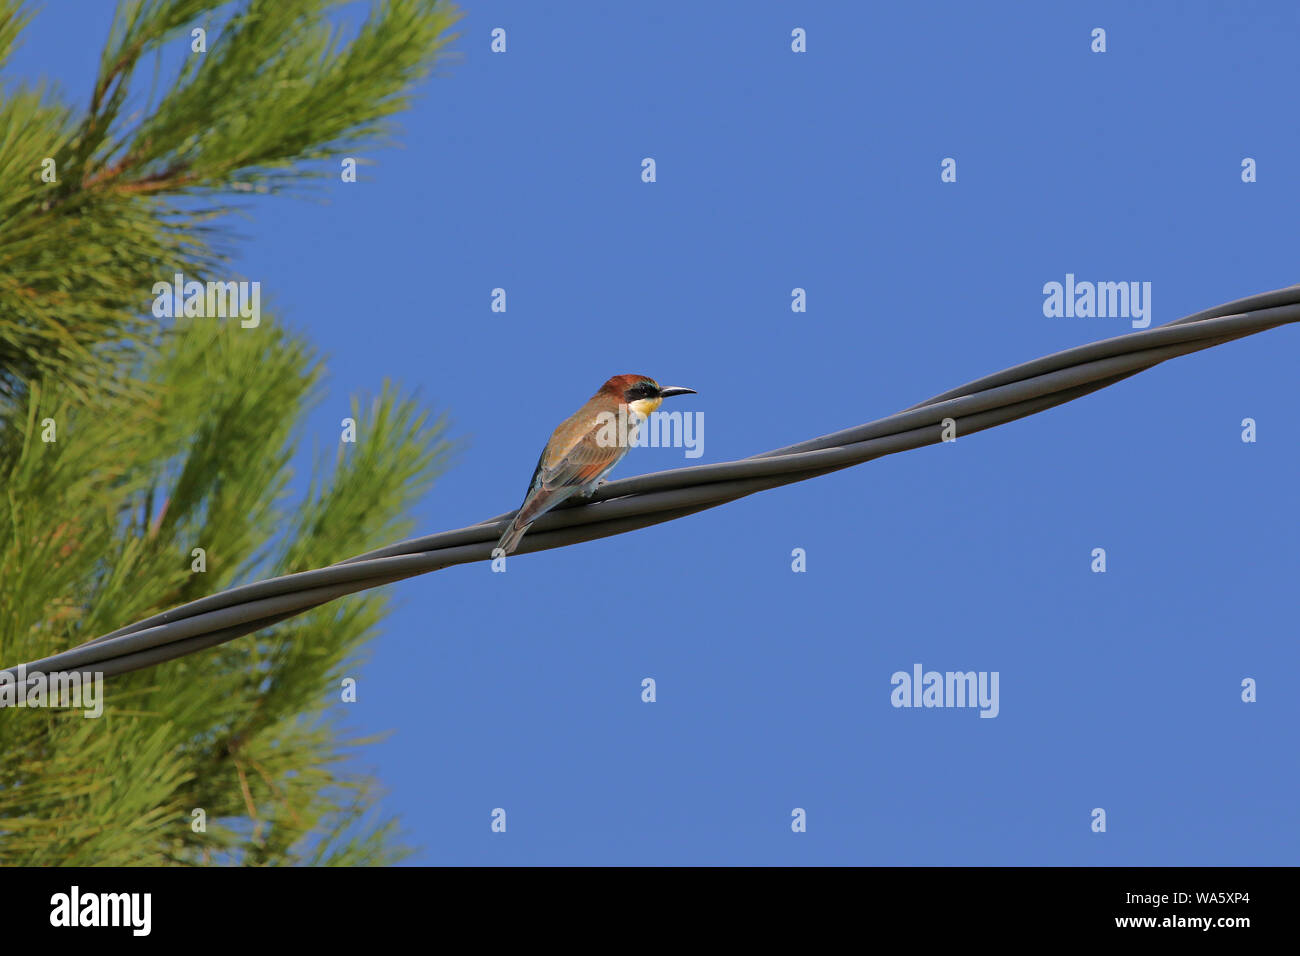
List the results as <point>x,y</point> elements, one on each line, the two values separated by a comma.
<point>586,446</point>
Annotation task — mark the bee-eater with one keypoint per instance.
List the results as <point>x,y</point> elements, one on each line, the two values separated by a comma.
<point>586,445</point>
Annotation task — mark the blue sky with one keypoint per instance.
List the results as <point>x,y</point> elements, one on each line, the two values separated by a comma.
<point>821,170</point>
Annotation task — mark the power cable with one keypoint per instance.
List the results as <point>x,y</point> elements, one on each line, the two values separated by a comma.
<point>631,503</point>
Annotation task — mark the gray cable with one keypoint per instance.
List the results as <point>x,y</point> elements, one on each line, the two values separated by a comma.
<point>631,503</point>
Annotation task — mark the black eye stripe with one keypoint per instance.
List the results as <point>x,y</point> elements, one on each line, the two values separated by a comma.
<point>641,390</point>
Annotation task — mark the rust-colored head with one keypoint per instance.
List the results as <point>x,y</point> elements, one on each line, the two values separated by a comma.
<point>640,389</point>
<point>618,386</point>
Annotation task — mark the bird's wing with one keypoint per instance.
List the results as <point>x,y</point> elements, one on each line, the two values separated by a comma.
<point>582,463</point>
<point>567,465</point>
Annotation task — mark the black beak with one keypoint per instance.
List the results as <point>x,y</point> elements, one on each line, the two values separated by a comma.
<point>672,390</point>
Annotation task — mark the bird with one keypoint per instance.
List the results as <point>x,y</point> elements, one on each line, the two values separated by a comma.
<point>586,446</point>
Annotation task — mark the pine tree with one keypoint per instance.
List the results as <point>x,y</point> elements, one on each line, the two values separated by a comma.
<point>128,442</point>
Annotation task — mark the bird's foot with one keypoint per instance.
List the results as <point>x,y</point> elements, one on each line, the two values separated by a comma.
<point>590,490</point>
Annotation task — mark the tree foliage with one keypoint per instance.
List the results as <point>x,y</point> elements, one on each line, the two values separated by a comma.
<point>175,437</point>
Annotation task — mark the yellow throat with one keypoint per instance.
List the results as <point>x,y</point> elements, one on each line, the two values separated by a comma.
<point>644,406</point>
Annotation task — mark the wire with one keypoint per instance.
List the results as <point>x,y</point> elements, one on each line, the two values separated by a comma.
<point>630,503</point>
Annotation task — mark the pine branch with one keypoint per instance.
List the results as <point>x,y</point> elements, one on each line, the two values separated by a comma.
<point>172,439</point>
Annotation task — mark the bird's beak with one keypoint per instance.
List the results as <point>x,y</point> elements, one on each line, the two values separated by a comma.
<point>676,390</point>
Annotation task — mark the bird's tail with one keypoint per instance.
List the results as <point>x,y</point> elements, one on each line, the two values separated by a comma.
<point>510,540</point>
<point>538,502</point>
